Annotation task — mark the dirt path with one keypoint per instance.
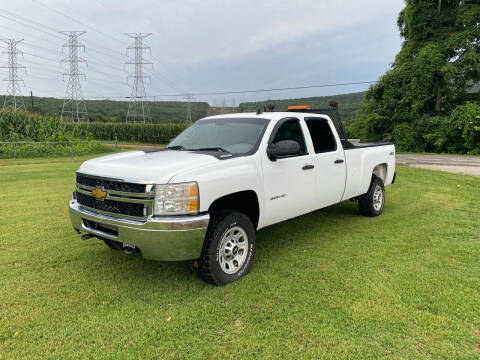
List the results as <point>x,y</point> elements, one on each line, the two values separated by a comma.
<point>468,165</point>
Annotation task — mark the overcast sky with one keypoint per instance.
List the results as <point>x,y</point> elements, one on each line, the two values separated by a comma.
<point>207,45</point>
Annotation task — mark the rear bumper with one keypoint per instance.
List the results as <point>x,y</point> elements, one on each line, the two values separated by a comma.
<point>162,238</point>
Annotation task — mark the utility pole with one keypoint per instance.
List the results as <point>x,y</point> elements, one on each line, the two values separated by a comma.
<point>189,99</point>
<point>138,110</point>
<point>31,98</point>
<point>13,99</point>
<point>74,107</point>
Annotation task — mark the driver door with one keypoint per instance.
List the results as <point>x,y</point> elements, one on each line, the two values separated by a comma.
<point>289,182</point>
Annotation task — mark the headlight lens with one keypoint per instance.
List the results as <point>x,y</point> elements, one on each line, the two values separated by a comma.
<point>176,199</point>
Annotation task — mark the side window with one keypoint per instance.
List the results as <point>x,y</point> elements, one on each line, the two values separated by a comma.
<point>321,133</point>
<point>291,130</point>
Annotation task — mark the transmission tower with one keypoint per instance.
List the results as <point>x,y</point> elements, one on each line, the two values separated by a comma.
<point>138,110</point>
<point>74,107</point>
<point>13,99</point>
<point>189,99</point>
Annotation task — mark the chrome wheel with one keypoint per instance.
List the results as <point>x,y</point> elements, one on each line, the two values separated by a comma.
<point>233,250</point>
<point>378,198</point>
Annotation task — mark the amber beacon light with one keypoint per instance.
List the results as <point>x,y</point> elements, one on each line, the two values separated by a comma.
<point>299,107</point>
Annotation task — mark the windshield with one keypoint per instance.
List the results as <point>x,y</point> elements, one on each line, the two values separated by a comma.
<point>235,135</point>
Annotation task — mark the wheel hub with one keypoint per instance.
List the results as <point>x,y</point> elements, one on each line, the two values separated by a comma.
<point>378,198</point>
<point>233,250</point>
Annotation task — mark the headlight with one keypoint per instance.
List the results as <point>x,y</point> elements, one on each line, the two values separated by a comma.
<point>176,199</point>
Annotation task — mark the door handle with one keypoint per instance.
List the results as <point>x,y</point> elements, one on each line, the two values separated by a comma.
<point>307,167</point>
<point>338,161</point>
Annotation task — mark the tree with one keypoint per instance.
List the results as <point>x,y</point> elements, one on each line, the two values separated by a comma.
<point>435,70</point>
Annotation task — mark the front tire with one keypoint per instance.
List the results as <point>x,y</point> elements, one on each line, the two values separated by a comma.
<point>228,250</point>
<point>372,203</point>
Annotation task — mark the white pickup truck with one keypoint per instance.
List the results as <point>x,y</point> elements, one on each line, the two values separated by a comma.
<point>204,196</point>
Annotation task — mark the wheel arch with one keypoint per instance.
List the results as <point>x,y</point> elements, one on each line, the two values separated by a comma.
<point>245,201</point>
<point>381,171</point>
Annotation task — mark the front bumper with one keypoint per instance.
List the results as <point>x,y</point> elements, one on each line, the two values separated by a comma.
<point>158,238</point>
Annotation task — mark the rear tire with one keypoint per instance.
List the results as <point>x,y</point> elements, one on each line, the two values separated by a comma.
<point>228,250</point>
<point>372,203</point>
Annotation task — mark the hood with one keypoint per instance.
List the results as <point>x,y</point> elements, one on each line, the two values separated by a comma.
<point>158,166</point>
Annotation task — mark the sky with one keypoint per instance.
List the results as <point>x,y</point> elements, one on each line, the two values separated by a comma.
<point>204,46</point>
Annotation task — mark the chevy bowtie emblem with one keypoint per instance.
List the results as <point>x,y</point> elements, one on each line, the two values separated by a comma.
<point>99,193</point>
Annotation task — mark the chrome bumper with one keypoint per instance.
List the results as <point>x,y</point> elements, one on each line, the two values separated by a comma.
<point>158,238</point>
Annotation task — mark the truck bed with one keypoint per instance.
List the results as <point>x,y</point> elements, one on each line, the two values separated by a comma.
<point>347,145</point>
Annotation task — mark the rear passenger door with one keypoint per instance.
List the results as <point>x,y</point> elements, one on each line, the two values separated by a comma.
<point>329,161</point>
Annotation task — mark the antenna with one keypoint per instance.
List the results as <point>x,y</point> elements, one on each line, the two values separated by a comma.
<point>13,98</point>
<point>74,107</point>
<point>138,110</point>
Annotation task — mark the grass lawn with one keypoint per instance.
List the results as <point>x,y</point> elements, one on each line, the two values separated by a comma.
<point>41,160</point>
<point>330,284</point>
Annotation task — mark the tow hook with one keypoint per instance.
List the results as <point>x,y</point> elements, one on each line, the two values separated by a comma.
<point>86,236</point>
<point>130,249</point>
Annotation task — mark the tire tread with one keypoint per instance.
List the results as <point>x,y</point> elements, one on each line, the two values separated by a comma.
<point>207,257</point>
<point>365,202</point>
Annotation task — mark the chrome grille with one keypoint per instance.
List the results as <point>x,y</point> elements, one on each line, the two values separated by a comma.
<point>123,199</point>
<point>108,184</point>
<point>114,207</point>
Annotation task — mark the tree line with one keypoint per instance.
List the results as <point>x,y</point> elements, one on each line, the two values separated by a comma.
<point>429,99</point>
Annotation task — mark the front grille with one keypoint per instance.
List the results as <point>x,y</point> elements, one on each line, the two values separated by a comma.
<point>111,206</point>
<point>111,185</point>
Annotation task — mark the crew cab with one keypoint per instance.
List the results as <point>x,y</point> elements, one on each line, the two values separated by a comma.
<point>204,195</point>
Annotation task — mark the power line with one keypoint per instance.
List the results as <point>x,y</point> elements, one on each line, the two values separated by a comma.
<point>42,68</point>
<point>52,32</point>
<point>105,34</point>
<point>77,21</point>
<point>157,74</point>
<point>260,90</point>
<point>183,80</point>
<point>36,28</point>
<point>277,89</point>
<point>38,25</point>
<point>41,48</point>
<point>240,91</point>
<point>165,80</point>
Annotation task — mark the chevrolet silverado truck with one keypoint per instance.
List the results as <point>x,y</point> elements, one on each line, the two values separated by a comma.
<point>206,193</point>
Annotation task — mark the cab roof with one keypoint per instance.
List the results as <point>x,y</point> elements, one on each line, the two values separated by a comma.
<point>273,115</point>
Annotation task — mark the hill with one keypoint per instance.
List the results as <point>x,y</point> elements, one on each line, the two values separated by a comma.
<point>175,111</point>
<point>349,104</point>
<point>116,111</point>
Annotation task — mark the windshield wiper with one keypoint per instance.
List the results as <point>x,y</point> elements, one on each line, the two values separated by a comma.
<point>211,149</point>
<point>176,147</point>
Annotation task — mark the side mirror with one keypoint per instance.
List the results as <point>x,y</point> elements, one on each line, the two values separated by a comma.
<point>283,148</point>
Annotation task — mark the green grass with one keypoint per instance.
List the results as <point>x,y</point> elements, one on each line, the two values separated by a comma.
<point>50,160</point>
<point>330,284</point>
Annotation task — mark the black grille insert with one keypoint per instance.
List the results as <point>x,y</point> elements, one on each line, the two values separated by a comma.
<point>111,185</point>
<point>109,229</point>
<point>115,207</point>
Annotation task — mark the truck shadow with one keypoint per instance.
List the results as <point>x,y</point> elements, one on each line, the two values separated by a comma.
<point>305,228</point>
<point>271,241</point>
